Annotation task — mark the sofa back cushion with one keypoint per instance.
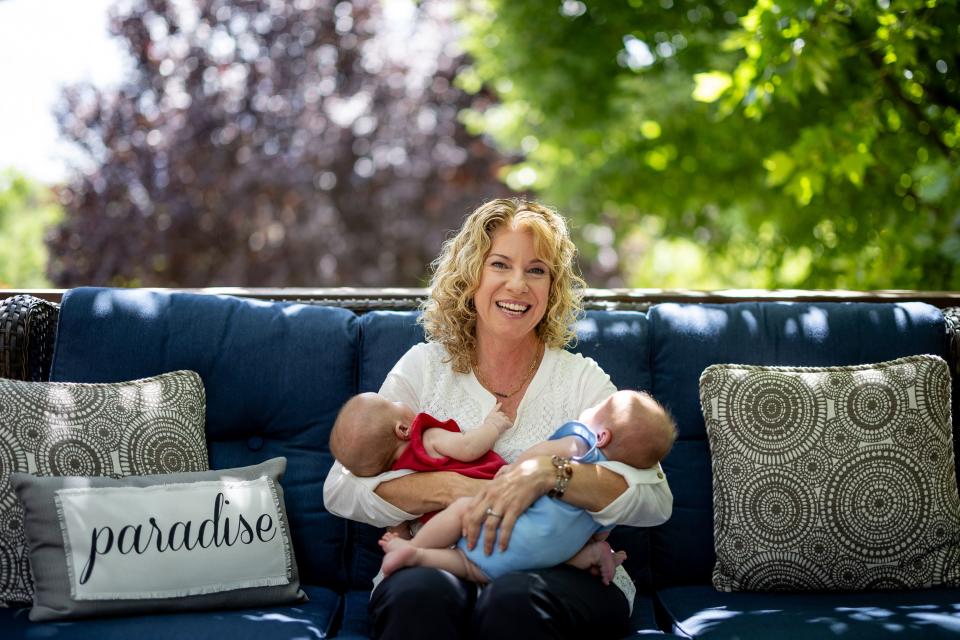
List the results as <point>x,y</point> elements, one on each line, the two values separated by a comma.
<point>275,375</point>
<point>687,338</point>
<point>617,340</point>
<point>384,337</point>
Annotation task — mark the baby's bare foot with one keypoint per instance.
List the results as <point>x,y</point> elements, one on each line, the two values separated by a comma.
<point>402,530</point>
<point>608,560</point>
<point>393,542</point>
<point>400,554</point>
<point>387,537</point>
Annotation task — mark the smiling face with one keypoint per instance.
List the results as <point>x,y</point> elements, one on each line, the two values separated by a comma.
<point>514,288</point>
<point>450,316</point>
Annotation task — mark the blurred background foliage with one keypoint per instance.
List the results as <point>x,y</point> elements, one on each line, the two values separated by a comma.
<point>27,209</point>
<point>271,143</point>
<point>693,144</point>
<point>776,143</point>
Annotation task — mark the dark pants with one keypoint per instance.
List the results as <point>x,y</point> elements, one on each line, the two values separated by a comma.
<point>560,602</point>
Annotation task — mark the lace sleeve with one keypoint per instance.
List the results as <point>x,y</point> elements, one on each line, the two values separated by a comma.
<point>348,496</point>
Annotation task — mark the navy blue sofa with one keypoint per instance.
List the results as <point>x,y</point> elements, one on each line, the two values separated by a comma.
<point>277,373</point>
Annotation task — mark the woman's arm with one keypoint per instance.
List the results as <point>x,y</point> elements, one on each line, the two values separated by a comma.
<point>393,497</point>
<point>428,490</point>
<point>567,447</point>
<point>647,501</point>
<point>591,486</point>
<point>352,497</point>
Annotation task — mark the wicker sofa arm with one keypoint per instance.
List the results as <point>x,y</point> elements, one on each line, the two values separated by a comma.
<point>27,329</point>
<point>951,317</point>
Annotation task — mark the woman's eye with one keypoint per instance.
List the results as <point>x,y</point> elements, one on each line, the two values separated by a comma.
<point>498,265</point>
<point>538,271</point>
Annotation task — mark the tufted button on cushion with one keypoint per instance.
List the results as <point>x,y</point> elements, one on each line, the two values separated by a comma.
<point>255,443</point>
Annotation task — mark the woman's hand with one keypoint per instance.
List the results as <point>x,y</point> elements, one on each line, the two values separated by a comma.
<point>508,495</point>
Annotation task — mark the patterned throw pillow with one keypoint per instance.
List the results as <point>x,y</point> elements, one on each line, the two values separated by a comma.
<point>149,426</point>
<point>833,478</point>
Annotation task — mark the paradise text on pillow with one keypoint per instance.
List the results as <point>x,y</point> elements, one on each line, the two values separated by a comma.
<point>178,535</point>
<point>167,540</point>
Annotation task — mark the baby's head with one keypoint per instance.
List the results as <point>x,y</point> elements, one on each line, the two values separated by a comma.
<point>632,428</point>
<point>369,433</point>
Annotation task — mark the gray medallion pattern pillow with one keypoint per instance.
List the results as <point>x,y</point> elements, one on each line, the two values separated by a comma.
<point>149,426</point>
<point>833,478</point>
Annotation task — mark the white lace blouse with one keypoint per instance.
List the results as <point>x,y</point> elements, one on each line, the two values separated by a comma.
<point>564,385</point>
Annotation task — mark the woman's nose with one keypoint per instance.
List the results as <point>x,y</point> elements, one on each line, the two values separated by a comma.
<point>518,281</point>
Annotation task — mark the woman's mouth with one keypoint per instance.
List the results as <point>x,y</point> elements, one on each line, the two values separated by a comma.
<point>515,309</point>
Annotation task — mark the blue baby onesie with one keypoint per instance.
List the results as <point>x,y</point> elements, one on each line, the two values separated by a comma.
<point>550,532</point>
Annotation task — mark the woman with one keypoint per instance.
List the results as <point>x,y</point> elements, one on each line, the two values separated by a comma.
<point>503,299</point>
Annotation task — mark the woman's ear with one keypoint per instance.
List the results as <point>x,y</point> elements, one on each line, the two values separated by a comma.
<point>402,431</point>
<point>604,437</point>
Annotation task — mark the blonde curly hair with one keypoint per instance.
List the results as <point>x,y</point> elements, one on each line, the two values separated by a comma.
<point>449,316</point>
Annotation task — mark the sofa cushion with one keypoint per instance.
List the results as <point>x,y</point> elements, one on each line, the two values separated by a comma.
<point>313,619</point>
<point>276,374</point>
<point>833,477</point>
<point>702,612</point>
<point>617,340</point>
<point>687,338</point>
<point>221,542</point>
<point>385,336</point>
<point>153,425</point>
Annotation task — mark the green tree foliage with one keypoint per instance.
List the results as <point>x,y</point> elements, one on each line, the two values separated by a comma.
<point>710,143</point>
<point>27,211</point>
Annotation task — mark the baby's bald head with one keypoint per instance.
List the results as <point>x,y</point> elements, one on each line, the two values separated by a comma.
<point>641,431</point>
<point>364,437</point>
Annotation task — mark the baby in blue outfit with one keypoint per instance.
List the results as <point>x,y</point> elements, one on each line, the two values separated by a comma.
<point>629,427</point>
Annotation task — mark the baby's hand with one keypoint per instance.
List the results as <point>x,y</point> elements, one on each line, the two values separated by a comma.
<point>498,419</point>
